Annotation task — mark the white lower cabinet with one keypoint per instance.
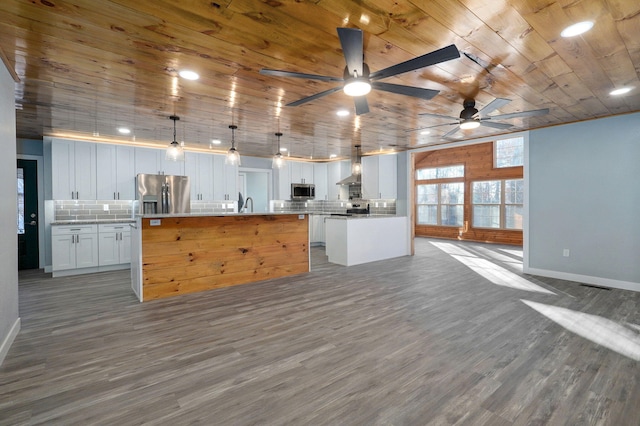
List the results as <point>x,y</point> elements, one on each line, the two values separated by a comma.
<point>316,230</point>
<point>74,247</point>
<point>114,244</point>
<point>80,249</point>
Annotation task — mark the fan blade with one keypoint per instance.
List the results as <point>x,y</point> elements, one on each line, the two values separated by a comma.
<point>492,106</point>
<point>495,125</point>
<point>447,117</point>
<point>351,41</point>
<point>416,92</point>
<point>435,57</point>
<point>362,106</point>
<point>431,127</point>
<point>531,113</point>
<point>451,132</point>
<point>278,73</point>
<point>314,97</point>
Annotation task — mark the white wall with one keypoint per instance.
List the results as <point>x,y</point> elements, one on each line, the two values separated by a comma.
<point>9,320</point>
<point>584,196</point>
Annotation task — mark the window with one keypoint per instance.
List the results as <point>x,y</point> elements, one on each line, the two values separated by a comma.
<point>440,172</point>
<point>497,204</point>
<point>20,201</point>
<point>440,204</point>
<point>508,152</point>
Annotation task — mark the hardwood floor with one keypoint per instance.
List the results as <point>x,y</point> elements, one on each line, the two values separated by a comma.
<point>437,338</point>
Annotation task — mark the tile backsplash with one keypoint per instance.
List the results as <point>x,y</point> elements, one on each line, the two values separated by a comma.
<point>378,206</point>
<point>92,209</point>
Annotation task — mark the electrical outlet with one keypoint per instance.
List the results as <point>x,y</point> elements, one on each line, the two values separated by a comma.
<point>565,252</point>
<point>105,207</point>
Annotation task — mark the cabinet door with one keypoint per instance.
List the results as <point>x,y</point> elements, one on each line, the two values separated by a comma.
<point>295,171</point>
<point>108,249</point>
<point>62,169</point>
<point>85,170</point>
<point>146,161</point>
<point>86,250</point>
<point>63,252</point>
<point>333,176</point>
<point>388,176</point>
<point>231,181</point>
<point>125,247</point>
<point>205,176</point>
<point>191,170</point>
<point>307,172</point>
<point>283,183</point>
<point>320,180</point>
<point>125,173</point>
<point>218,178</point>
<point>106,172</point>
<point>370,186</point>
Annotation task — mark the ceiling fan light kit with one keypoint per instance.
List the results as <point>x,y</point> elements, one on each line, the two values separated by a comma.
<point>356,80</point>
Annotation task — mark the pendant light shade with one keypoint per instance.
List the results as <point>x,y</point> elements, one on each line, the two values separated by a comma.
<point>175,152</point>
<point>356,166</point>
<point>278,159</point>
<point>233,156</point>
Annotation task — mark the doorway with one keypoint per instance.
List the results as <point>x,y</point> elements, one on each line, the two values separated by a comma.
<point>254,183</point>
<point>27,184</point>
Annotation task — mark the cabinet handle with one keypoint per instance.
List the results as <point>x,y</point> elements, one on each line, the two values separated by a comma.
<point>118,195</point>
<point>114,196</point>
<point>77,195</point>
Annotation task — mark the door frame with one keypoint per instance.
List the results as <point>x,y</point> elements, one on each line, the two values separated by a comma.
<point>41,213</point>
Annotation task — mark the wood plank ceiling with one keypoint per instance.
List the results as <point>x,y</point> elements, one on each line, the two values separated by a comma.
<point>88,67</point>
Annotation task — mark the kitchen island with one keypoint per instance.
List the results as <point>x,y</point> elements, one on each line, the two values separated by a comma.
<point>175,254</point>
<point>353,240</point>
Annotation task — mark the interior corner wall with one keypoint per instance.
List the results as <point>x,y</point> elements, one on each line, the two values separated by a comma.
<point>9,319</point>
<point>584,197</point>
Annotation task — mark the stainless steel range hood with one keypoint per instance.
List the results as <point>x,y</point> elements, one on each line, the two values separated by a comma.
<point>350,180</point>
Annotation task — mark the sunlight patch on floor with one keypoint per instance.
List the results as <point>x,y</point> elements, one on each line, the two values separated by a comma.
<point>599,330</point>
<point>489,270</point>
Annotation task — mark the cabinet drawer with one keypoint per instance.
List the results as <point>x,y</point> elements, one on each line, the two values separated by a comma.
<point>118,227</point>
<point>73,229</point>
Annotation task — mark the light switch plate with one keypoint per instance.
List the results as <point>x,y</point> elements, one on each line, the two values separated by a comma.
<point>155,222</point>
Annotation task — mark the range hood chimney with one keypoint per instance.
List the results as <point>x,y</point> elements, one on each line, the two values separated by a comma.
<point>356,168</point>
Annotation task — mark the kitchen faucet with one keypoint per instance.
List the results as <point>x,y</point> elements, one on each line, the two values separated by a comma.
<point>246,204</point>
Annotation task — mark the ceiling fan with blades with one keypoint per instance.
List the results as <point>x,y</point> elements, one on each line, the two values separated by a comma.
<point>471,118</point>
<point>357,79</point>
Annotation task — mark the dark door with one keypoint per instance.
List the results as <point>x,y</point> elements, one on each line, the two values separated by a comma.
<point>27,214</point>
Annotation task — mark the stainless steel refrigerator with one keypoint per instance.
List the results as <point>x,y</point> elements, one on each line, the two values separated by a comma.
<point>163,194</point>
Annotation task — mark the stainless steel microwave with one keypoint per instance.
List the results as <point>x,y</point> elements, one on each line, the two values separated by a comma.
<point>303,191</point>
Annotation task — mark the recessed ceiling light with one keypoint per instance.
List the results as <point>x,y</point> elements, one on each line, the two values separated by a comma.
<point>342,113</point>
<point>577,29</point>
<point>425,132</point>
<point>216,141</point>
<point>124,130</point>
<point>283,149</point>
<point>189,75</point>
<point>621,91</point>
<point>333,156</point>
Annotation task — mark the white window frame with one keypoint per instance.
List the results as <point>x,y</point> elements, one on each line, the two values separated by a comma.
<point>440,204</point>
<point>502,204</point>
<point>496,151</point>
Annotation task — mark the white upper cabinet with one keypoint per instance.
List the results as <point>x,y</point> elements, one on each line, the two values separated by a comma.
<point>73,169</point>
<point>282,185</point>
<point>320,180</point>
<point>199,168</point>
<point>225,179</point>
<point>115,172</point>
<point>380,176</point>
<point>336,171</point>
<point>301,172</point>
<point>153,161</point>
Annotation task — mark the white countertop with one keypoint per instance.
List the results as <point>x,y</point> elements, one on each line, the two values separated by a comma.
<point>91,221</point>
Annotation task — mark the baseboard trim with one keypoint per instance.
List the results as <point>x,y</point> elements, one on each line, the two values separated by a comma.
<point>587,279</point>
<point>8,341</point>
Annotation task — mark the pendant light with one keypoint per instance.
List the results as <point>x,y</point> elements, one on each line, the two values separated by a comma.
<point>233,156</point>
<point>278,158</point>
<point>175,152</point>
<point>356,166</point>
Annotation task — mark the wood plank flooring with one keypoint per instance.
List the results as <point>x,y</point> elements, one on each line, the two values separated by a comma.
<point>409,341</point>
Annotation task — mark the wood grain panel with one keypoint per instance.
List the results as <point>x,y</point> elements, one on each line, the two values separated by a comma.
<point>478,165</point>
<point>189,254</point>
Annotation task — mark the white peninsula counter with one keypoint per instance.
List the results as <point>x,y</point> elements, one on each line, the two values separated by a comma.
<point>353,240</point>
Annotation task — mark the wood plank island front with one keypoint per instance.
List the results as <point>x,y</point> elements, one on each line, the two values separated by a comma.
<point>179,254</point>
